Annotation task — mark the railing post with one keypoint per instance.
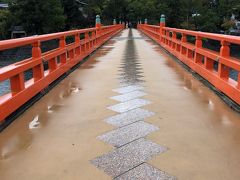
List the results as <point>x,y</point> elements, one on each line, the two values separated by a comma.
<point>223,71</point>
<point>98,27</point>
<point>238,86</point>
<point>162,24</point>
<point>38,71</point>
<point>17,83</point>
<point>183,40</point>
<point>140,25</point>
<point>62,45</point>
<point>198,44</point>
<point>167,36</point>
<point>94,38</point>
<point>77,41</point>
<point>174,37</point>
<point>86,41</point>
<point>208,63</point>
<point>52,64</point>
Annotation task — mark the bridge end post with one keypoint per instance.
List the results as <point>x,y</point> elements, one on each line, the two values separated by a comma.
<point>98,28</point>
<point>162,24</point>
<point>162,21</point>
<point>146,21</point>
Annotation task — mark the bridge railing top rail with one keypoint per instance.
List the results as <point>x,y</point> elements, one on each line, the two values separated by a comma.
<point>13,43</point>
<point>213,36</point>
<point>200,34</point>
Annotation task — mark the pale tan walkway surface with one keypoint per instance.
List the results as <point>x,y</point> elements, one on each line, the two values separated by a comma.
<point>176,125</point>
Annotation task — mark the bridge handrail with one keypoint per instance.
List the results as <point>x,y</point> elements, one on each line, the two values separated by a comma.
<point>213,36</point>
<point>13,43</point>
<point>59,61</point>
<point>201,59</point>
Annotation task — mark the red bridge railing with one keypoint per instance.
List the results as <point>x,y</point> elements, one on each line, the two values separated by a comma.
<point>214,66</point>
<point>59,61</point>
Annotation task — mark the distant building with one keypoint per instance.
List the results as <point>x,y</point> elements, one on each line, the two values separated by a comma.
<point>237,25</point>
<point>4,6</point>
<point>18,32</point>
<point>236,29</point>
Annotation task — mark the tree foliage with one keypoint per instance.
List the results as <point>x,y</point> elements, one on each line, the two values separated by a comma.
<point>4,23</point>
<point>47,16</point>
<point>38,17</point>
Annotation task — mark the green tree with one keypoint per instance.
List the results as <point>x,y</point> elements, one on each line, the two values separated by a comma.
<point>4,23</point>
<point>73,11</point>
<point>38,17</point>
<point>47,16</point>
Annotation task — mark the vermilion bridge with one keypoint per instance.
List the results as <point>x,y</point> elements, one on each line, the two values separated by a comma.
<point>115,104</point>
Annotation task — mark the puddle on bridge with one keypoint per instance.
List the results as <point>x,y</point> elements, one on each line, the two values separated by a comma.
<point>20,135</point>
<point>56,137</point>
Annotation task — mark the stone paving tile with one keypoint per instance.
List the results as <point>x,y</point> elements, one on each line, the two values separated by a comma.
<point>130,69</point>
<point>131,77</point>
<point>127,157</point>
<point>128,89</point>
<point>126,134</point>
<point>129,117</point>
<point>124,83</point>
<point>135,74</point>
<point>129,105</point>
<point>131,81</point>
<point>145,172</point>
<point>131,63</point>
<point>129,96</point>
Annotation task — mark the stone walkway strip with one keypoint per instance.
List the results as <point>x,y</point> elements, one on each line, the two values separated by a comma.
<point>129,96</point>
<point>127,157</point>
<point>129,117</point>
<point>126,134</point>
<point>128,89</point>
<point>129,105</point>
<point>145,172</point>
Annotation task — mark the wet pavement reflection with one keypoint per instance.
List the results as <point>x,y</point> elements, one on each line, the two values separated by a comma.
<point>130,68</point>
<point>19,136</point>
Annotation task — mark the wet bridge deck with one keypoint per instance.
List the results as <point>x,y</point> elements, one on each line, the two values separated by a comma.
<point>129,111</point>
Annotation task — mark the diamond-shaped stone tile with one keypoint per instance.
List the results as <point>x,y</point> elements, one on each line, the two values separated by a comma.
<point>126,134</point>
<point>129,105</point>
<point>145,172</point>
<point>124,68</point>
<point>128,89</point>
<point>129,96</point>
<point>131,72</point>
<point>136,76</point>
<point>124,83</point>
<point>129,117</point>
<point>127,157</point>
<point>129,63</point>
